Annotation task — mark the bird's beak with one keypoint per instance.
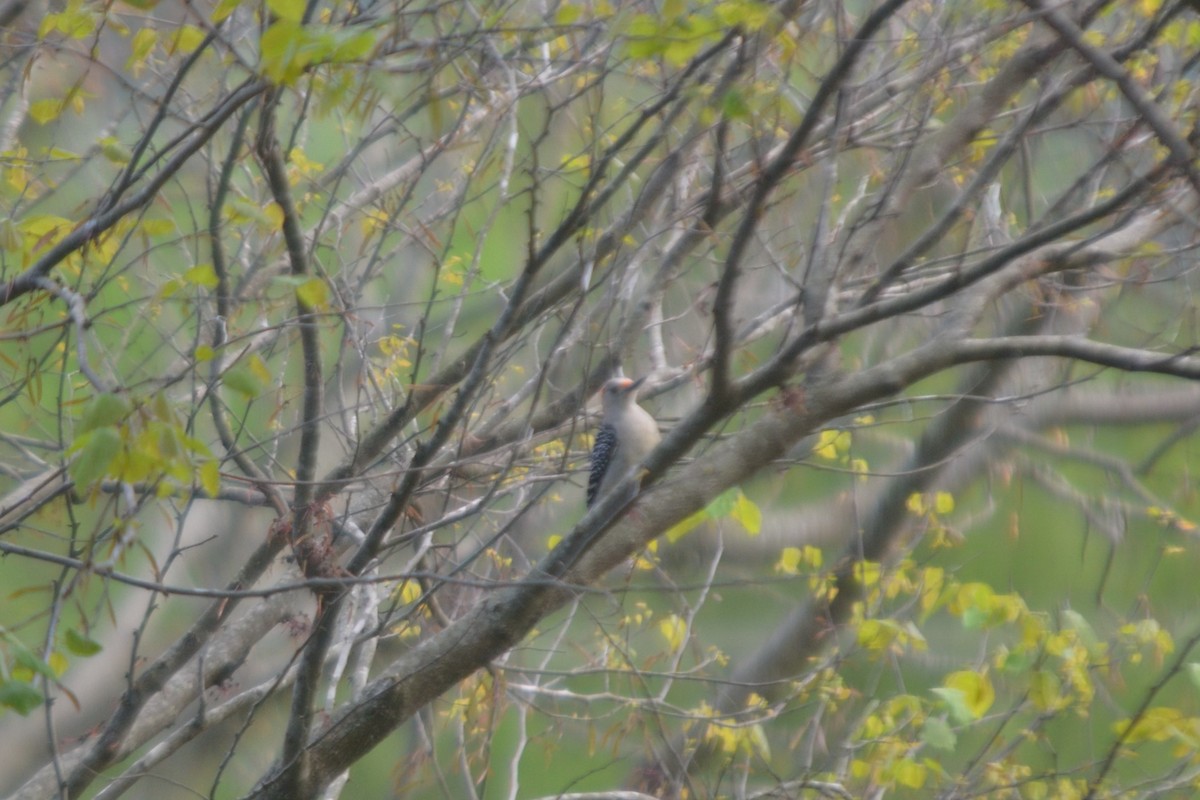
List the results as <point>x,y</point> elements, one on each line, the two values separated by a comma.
<point>633,387</point>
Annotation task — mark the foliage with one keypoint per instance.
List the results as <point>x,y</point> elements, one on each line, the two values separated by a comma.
<point>302,305</point>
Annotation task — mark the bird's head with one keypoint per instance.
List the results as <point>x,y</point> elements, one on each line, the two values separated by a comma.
<point>620,391</point>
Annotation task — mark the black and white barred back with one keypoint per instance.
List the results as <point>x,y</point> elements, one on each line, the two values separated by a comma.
<point>603,452</point>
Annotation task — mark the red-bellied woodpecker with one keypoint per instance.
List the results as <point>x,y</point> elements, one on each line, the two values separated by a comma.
<point>626,436</point>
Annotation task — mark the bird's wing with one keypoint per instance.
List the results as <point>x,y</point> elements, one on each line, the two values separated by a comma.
<point>604,450</point>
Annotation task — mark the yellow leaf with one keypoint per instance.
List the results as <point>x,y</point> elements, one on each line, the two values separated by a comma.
<point>909,773</point>
<point>44,111</point>
<point>373,220</point>
<point>644,564</point>
<point>813,556</point>
<point>754,739</point>
<point>1044,690</point>
<point>259,368</point>
<point>409,591</point>
<point>674,630</point>
<point>158,227</point>
<point>285,49</point>
<point>274,215</point>
<point>57,662</point>
<point>876,635</point>
<point>832,444</point>
<point>576,163</point>
<point>552,541</point>
<point>867,572</point>
<point>75,22</point>
<point>186,39</point>
<point>932,579</point>
<point>789,561</point>
<point>291,10</point>
<point>140,48</point>
<point>114,150</point>
<point>313,294</point>
<point>567,14</point>
<point>685,526</point>
<point>943,502</point>
<point>976,688</point>
<point>860,467</point>
<point>202,275</point>
<point>210,478</point>
<point>747,514</point>
<point>1155,725</point>
<point>224,9</point>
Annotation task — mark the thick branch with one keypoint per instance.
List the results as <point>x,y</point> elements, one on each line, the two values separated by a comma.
<point>499,622</point>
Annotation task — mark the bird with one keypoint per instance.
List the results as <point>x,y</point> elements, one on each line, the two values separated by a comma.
<point>626,436</point>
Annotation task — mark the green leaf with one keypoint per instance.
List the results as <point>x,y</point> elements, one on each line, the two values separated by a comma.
<point>645,37</point>
<point>750,15</point>
<point>352,46</point>
<point>10,235</point>
<point>115,151</point>
<point>937,733</point>
<point>723,504</point>
<point>1077,622</point>
<point>734,106</point>
<point>106,409</point>
<point>248,378</point>
<point>688,37</point>
<point>24,657</point>
<point>291,10</point>
<point>19,696</point>
<point>1193,671</point>
<point>1018,661</point>
<point>97,451</point>
<point>282,58</point>
<point>975,618</point>
<point>977,694</point>
<point>956,703</point>
<point>80,644</point>
<point>243,381</point>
